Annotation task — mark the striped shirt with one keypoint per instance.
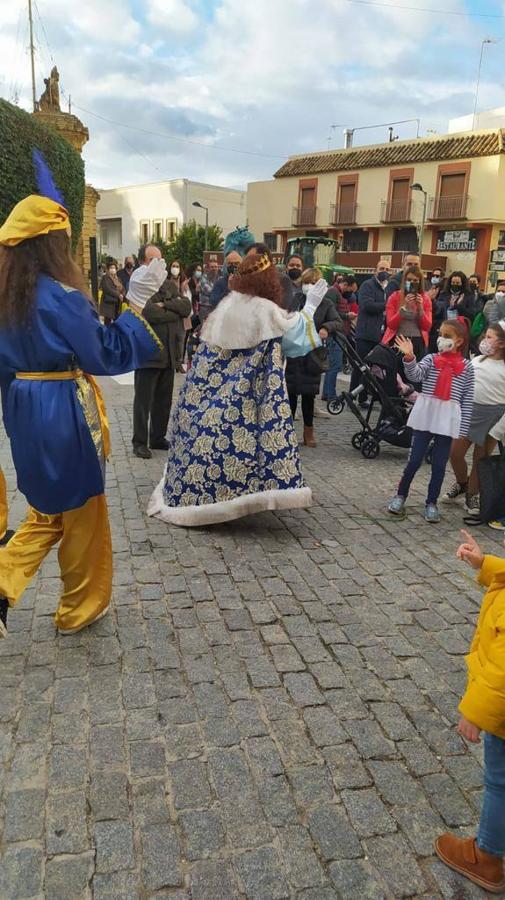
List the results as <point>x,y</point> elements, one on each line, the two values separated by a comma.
<point>462,387</point>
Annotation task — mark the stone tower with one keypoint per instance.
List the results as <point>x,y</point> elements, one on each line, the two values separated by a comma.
<point>72,129</point>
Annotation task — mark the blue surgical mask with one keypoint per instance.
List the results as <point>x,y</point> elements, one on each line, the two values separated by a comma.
<point>435,280</point>
<point>382,277</point>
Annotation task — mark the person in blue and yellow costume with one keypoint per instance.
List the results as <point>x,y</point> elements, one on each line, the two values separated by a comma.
<point>232,445</point>
<point>51,344</point>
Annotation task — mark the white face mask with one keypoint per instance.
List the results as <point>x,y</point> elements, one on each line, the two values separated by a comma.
<point>198,274</point>
<point>445,345</point>
<point>112,270</point>
<point>306,288</point>
<point>175,271</point>
<point>500,295</point>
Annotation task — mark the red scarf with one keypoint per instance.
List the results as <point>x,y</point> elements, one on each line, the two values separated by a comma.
<point>448,365</point>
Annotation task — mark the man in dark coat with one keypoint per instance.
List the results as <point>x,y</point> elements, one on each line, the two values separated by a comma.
<point>124,274</point>
<point>154,383</point>
<point>372,305</point>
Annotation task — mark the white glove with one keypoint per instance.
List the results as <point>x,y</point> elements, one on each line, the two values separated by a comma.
<point>317,293</point>
<point>146,281</point>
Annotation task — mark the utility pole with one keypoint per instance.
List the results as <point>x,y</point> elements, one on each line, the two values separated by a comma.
<point>32,55</point>
<point>484,42</point>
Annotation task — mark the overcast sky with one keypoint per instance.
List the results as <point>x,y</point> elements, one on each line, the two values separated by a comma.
<point>196,80</point>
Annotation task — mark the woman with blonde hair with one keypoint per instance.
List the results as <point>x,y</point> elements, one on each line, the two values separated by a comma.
<point>303,375</point>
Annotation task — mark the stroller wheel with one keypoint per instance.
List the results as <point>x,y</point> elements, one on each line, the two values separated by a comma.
<point>357,440</point>
<point>336,406</point>
<point>370,448</point>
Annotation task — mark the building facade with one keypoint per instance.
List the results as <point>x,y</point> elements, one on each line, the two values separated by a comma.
<point>363,198</point>
<point>130,216</point>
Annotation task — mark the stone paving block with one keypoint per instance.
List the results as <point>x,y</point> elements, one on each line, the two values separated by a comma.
<point>68,877</point>
<point>211,701</point>
<point>421,826</point>
<point>116,886</point>
<point>261,873</point>
<point>114,847</point>
<point>448,799</point>
<point>392,857</point>
<point>138,691</point>
<point>287,659</point>
<point>189,784</point>
<point>203,833</point>
<point>67,768</point>
<point>24,815</point>
<point>311,785</point>
<point>212,881</point>
<point>368,739</point>
<point>346,767</point>
<point>221,732</point>
<point>453,886</point>
<point>294,746</point>
<point>66,824</point>
<point>323,726</point>
<point>21,873</point>
<point>277,801</point>
<point>264,757</point>
<point>150,802</point>
<point>332,833</point>
<point>367,812</point>
<point>419,757</point>
<point>358,878</point>
<point>229,772</point>
<point>395,784</point>
<point>303,689</point>
<point>147,758</point>
<point>303,868</point>
<point>108,796</point>
<point>34,724</point>
<point>328,674</point>
<point>107,747</point>
<point>160,857</point>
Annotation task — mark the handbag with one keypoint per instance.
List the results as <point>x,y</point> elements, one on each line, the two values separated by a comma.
<point>491,472</point>
<point>320,358</point>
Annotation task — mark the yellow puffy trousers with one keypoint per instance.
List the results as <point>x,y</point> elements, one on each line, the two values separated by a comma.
<point>84,555</point>
<point>4,508</point>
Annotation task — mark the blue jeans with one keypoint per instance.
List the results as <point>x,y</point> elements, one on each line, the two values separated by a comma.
<point>441,450</point>
<point>336,356</point>
<point>491,835</point>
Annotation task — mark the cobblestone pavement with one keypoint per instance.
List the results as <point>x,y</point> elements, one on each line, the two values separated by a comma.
<point>268,713</point>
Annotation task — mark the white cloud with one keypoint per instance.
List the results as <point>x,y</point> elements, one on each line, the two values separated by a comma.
<point>171,15</point>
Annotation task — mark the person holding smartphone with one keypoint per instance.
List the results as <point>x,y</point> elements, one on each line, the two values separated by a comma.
<point>409,313</point>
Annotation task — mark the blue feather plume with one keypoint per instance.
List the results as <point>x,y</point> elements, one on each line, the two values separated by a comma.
<point>45,180</point>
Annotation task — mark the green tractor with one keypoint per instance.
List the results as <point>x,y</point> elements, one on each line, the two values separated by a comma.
<point>317,252</point>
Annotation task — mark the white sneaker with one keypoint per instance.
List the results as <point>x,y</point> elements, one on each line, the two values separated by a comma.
<point>472,505</point>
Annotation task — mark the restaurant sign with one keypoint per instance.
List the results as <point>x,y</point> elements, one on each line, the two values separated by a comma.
<point>456,240</point>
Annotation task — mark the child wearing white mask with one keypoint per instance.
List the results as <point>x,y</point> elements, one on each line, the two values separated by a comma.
<point>488,408</point>
<point>441,413</point>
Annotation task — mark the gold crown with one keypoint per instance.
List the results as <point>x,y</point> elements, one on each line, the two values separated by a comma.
<point>263,263</point>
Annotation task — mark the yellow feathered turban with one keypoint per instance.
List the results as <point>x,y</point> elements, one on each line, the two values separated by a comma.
<point>33,216</point>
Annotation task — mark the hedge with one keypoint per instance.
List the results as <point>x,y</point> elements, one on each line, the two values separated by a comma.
<point>19,134</point>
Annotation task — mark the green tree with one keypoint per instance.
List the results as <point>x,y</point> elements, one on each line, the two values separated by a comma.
<point>189,244</point>
<point>21,132</point>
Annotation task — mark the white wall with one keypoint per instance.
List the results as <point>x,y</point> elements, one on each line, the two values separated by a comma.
<point>169,200</point>
<point>488,118</point>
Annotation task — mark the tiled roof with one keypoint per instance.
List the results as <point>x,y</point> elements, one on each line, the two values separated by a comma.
<point>397,153</point>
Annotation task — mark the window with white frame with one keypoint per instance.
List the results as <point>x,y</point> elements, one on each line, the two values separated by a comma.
<point>145,231</point>
<point>171,231</point>
<point>158,230</point>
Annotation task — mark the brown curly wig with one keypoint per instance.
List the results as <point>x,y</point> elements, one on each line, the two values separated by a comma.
<point>257,279</point>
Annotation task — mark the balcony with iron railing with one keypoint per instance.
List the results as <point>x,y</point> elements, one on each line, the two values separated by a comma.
<point>343,213</point>
<point>304,216</point>
<point>396,210</point>
<point>448,208</point>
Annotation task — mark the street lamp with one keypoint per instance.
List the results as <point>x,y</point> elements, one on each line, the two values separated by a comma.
<point>199,206</point>
<point>419,187</point>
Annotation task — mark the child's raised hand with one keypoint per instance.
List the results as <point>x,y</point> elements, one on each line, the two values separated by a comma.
<point>468,730</point>
<point>469,551</point>
<point>404,345</point>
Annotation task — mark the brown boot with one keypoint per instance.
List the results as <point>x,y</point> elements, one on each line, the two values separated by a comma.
<point>308,437</point>
<point>463,855</point>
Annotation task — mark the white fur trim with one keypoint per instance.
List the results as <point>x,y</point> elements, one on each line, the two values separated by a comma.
<point>240,322</point>
<point>227,510</point>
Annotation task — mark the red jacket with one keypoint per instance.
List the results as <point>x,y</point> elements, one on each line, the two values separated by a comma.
<point>393,317</point>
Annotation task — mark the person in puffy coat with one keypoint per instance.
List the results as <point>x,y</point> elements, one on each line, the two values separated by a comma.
<point>303,375</point>
<point>482,709</point>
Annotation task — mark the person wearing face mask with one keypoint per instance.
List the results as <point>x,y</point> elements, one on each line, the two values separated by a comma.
<point>437,278</point>
<point>457,300</point>
<point>370,322</point>
<point>294,271</point>
<point>488,408</point>
<point>409,312</point>
<point>222,287</point>
<point>303,376</point>
<point>125,273</point>
<point>494,310</point>
<point>112,293</point>
<point>474,288</point>
<point>342,295</point>
<point>394,283</point>
<point>441,413</point>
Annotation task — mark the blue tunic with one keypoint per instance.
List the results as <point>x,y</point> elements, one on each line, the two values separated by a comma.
<point>53,443</point>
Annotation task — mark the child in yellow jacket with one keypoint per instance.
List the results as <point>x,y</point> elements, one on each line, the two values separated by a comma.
<point>483,709</point>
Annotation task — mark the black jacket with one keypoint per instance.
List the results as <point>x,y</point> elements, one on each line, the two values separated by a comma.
<point>303,376</point>
<point>165,312</point>
<point>372,304</point>
<point>111,292</point>
<point>124,278</point>
<point>465,306</point>
<point>394,284</point>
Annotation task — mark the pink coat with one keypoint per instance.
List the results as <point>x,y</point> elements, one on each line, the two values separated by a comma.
<point>393,317</point>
